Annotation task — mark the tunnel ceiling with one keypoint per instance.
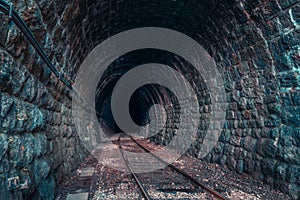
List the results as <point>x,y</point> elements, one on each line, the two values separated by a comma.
<point>89,23</point>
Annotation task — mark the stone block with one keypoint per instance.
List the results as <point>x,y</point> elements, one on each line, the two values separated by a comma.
<point>266,148</point>
<point>279,53</point>
<point>21,150</point>
<point>41,170</point>
<point>239,153</point>
<point>274,108</point>
<point>249,166</point>
<point>228,150</point>
<point>287,3</point>
<point>280,172</point>
<point>293,174</point>
<point>295,98</point>
<point>250,5</point>
<point>231,163</point>
<point>296,137</point>
<point>268,167</point>
<point>46,189</point>
<point>235,140</point>
<point>4,141</point>
<point>4,26</point>
<point>272,121</point>
<point>286,136</point>
<point>289,79</point>
<point>249,143</point>
<point>48,11</point>
<point>285,21</point>
<point>286,98</point>
<point>30,89</point>
<point>296,13</point>
<point>270,9</point>
<point>225,136</point>
<point>240,15</point>
<point>291,116</point>
<point>6,105</point>
<point>230,115</point>
<point>294,191</point>
<point>289,154</point>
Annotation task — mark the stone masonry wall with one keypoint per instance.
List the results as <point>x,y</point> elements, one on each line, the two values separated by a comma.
<point>256,45</point>
<point>261,71</point>
<point>39,146</point>
<point>254,42</point>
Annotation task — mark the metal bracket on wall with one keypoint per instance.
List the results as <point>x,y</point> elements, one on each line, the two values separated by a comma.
<point>14,183</point>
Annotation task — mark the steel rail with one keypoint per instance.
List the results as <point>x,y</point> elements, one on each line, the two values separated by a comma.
<point>135,177</point>
<point>195,181</point>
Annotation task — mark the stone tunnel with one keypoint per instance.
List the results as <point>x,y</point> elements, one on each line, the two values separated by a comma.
<point>255,45</point>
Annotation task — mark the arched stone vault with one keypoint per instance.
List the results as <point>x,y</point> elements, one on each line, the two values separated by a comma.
<point>254,43</point>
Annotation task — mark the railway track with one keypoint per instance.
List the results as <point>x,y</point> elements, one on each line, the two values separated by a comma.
<point>195,185</point>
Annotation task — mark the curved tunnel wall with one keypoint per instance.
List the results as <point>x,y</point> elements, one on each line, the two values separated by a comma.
<point>257,50</point>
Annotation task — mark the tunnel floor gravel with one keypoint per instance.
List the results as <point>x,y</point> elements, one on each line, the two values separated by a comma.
<point>104,182</point>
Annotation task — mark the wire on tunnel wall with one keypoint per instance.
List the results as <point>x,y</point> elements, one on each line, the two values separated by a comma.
<point>7,9</point>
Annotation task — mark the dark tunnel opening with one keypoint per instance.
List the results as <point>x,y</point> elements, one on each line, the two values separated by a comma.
<point>139,104</point>
<point>145,96</point>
